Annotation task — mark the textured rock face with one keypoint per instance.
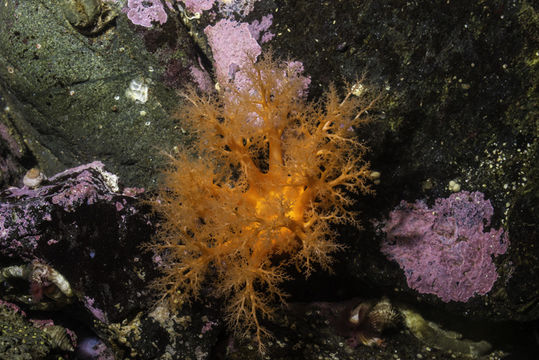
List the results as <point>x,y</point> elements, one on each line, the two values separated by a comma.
<point>81,225</point>
<point>64,70</point>
<point>460,106</point>
<point>23,338</point>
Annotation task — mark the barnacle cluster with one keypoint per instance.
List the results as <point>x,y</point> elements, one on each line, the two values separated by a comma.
<point>369,320</point>
<point>48,288</point>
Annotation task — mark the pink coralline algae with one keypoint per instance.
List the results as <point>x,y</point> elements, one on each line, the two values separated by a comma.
<point>201,78</point>
<point>96,312</point>
<point>445,250</point>
<point>144,12</point>
<point>259,29</point>
<point>24,212</point>
<point>232,44</point>
<point>240,7</point>
<point>235,44</point>
<point>198,6</point>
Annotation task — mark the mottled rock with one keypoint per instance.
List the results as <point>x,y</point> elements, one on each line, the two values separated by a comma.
<point>82,225</point>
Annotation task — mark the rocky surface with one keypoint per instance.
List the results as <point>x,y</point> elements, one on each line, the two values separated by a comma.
<point>458,109</point>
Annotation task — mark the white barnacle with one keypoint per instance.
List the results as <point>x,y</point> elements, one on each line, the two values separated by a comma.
<point>375,177</point>
<point>33,178</point>
<point>453,186</point>
<point>358,89</point>
<point>111,180</point>
<point>137,90</point>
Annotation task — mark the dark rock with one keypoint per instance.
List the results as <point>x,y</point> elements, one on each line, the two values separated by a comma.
<point>65,90</point>
<point>459,102</point>
<point>80,224</point>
